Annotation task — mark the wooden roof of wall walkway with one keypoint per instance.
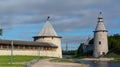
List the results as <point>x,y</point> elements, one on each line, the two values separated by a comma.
<point>27,43</point>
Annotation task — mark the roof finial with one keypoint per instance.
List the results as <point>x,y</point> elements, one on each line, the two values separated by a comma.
<point>48,17</point>
<point>100,19</point>
<point>100,13</point>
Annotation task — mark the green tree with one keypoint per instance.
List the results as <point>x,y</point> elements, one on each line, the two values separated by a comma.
<point>114,43</point>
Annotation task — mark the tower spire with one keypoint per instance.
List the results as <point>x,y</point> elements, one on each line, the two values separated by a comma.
<point>100,18</point>
<point>100,25</point>
<point>100,13</point>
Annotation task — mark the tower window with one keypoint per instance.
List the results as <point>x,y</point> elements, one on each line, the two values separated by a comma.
<point>99,42</point>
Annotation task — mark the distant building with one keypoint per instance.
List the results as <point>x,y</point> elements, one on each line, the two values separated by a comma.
<point>100,39</point>
<point>47,43</point>
<point>87,47</point>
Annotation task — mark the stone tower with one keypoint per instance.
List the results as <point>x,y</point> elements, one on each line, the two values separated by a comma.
<point>100,39</point>
<point>48,34</point>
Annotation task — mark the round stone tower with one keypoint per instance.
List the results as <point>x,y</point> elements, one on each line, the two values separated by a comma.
<point>48,34</point>
<point>100,39</point>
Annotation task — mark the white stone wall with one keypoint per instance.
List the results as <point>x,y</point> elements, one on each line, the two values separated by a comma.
<point>100,48</point>
<point>49,53</point>
<point>43,51</point>
<point>18,52</point>
<point>54,40</point>
<point>5,52</point>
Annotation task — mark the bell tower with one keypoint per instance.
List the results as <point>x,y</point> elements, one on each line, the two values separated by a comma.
<point>100,38</point>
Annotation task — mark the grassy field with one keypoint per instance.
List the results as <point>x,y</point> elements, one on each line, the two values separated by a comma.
<point>18,61</point>
<point>12,65</point>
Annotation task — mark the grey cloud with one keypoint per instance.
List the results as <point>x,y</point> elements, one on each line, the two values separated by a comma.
<point>66,15</point>
<point>48,6</point>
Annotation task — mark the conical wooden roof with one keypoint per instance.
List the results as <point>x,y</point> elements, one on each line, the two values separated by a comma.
<point>100,25</point>
<point>47,30</point>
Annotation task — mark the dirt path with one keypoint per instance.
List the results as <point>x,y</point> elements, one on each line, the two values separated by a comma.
<point>47,63</point>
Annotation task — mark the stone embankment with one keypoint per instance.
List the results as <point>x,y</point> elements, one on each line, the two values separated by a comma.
<point>98,59</point>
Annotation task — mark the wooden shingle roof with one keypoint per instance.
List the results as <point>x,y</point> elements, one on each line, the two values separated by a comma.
<point>100,25</point>
<point>27,43</point>
<point>47,30</point>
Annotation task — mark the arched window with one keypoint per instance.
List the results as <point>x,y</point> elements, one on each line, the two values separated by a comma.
<point>99,42</point>
<point>103,53</point>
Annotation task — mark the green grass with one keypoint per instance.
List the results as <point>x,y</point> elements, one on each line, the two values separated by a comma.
<point>12,65</point>
<point>61,60</point>
<point>113,55</point>
<point>5,60</point>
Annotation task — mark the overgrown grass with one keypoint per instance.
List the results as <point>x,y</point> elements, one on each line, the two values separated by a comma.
<point>12,65</point>
<point>6,60</point>
<point>61,60</point>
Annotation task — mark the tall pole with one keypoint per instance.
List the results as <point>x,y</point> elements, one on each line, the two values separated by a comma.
<point>11,60</point>
<point>38,52</point>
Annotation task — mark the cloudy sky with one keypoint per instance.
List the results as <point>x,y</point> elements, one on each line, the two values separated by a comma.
<point>74,20</point>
